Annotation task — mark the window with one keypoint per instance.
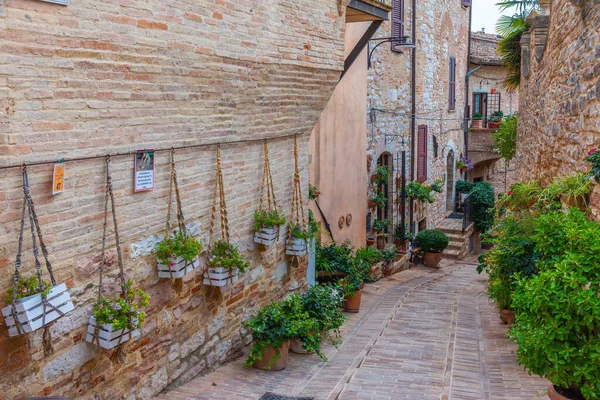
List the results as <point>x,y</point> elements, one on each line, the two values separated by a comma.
<point>452,85</point>
<point>397,22</point>
<point>422,154</point>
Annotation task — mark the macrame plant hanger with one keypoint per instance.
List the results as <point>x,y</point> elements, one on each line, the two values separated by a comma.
<point>35,229</point>
<point>297,217</point>
<point>267,182</point>
<point>180,219</point>
<point>119,356</point>
<point>224,222</point>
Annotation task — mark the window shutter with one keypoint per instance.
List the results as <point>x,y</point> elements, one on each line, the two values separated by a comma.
<point>452,84</point>
<point>466,3</point>
<point>422,154</point>
<point>397,22</point>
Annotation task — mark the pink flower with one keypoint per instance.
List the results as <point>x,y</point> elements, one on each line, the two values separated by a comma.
<point>172,264</point>
<point>173,255</point>
<point>510,192</point>
<point>592,151</point>
<point>373,268</point>
<point>174,231</point>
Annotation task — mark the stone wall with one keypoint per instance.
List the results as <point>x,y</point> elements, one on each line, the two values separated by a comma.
<point>490,77</point>
<point>560,90</point>
<point>442,32</point>
<point>100,77</point>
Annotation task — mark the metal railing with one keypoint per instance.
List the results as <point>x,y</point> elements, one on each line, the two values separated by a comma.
<point>467,212</point>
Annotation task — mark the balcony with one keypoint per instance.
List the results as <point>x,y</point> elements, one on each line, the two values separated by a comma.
<point>481,145</point>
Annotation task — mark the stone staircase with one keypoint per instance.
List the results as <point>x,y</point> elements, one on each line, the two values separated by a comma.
<point>460,242</point>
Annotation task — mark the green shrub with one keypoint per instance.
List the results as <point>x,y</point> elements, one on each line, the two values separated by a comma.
<point>432,240</point>
<point>268,219</point>
<point>464,186</point>
<point>177,245</point>
<point>505,138</point>
<point>334,257</point>
<point>324,304</point>
<point>483,206</point>
<point>417,191</point>
<point>558,311</point>
<point>403,234</point>
<point>353,281</point>
<point>227,255</point>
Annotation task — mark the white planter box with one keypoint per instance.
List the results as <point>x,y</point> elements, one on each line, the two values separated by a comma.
<point>296,247</point>
<point>178,270</point>
<point>107,337</point>
<point>30,310</point>
<point>220,276</point>
<point>266,236</point>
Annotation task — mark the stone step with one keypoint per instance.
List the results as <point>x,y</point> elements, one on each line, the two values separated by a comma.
<point>455,246</point>
<point>456,238</point>
<point>452,254</point>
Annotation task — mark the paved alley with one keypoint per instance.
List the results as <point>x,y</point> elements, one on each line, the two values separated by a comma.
<point>421,334</point>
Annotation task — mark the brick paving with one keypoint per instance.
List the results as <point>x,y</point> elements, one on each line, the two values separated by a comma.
<point>420,334</point>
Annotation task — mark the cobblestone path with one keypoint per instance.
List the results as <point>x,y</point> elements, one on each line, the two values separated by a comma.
<point>421,334</point>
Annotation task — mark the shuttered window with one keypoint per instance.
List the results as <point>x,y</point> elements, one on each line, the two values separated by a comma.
<point>422,154</point>
<point>397,22</point>
<point>452,85</point>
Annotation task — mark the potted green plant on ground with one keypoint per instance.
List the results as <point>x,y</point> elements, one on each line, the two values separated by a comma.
<point>352,286</point>
<point>266,225</point>
<point>272,329</point>
<point>432,242</point>
<point>225,264</point>
<point>378,228</point>
<point>403,237</point>
<point>116,320</point>
<point>177,255</point>
<point>476,122</point>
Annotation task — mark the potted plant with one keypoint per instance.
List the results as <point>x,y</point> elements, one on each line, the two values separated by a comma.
<point>476,122</point>
<point>272,329</point>
<point>298,240</point>
<point>403,237</point>
<point>432,242</point>
<point>382,175</point>
<point>371,239</point>
<point>378,226</point>
<point>29,305</point>
<point>267,224</point>
<point>115,321</point>
<point>378,200</point>
<point>225,264</point>
<point>313,192</point>
<point>438,185</point>
<point>177,255</point>
<point>390,255</point>
<point>494,121</point>
<point>416,190</point>
<point>352,286</point>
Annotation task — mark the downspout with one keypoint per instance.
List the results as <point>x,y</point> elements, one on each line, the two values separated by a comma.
<point>466,119</point>
<point>413,96</point>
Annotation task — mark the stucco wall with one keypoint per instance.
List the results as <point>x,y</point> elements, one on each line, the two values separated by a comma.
<point>98,77</point>
<point>336,151</point>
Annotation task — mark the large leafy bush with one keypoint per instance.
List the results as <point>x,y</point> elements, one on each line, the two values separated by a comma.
<point>483,206</point>
<point>432,240</point>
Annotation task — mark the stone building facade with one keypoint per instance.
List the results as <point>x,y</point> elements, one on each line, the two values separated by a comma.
<point>442,33</point>
<point>560,91</point>
<point>98,77</point>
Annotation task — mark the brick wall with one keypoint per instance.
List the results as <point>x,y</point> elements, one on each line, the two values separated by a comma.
<point>442,32</point>
<point>101,76</point>
<point>560,91</point>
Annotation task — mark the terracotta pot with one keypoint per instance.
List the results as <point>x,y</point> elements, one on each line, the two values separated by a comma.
<point>381,242</point>
<point>493,125</point>
<point>370,242</point>
<point>507,317</point>
<point>296,347</point>
<point>371,204</point>
<point>269,353</point>
<point>476,124</point>
<point>554,395</point>
<point>352,304</point>
<point>372,178</point>
<point>432,259</point>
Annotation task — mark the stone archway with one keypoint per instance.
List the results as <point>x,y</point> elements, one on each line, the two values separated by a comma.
<point>450,164</point>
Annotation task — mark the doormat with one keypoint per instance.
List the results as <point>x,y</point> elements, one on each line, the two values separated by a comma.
<point>275,396</point>
<point>455,216</point>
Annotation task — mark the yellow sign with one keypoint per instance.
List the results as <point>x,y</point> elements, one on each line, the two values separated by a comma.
<point>58,179</point>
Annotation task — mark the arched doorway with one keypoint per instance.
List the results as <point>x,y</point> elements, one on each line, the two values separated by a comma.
<point>450,164</point>
<point>385,159</point>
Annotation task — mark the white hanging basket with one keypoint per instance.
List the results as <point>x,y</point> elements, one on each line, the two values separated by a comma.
<point>267,236</point>
<point>220,276</point>
<point>180,268</point>
<point>107,337</point>
<point>32,314</point>
<point>296,247</point>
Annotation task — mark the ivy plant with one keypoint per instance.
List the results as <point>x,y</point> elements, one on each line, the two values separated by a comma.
<point>379,199</point>
<point>227,255</point>
<point>268,219</point>
<point>483,206</point>
<point>334,257</point>
<point>119,313</point>
<point>27,287</point>
<point>593,158</point>
<point>380,224</point>
<point>177,245</point>
<point>382,175</point>
<point>418,191</point>
<point>505,137</point>
<point>324,304</point>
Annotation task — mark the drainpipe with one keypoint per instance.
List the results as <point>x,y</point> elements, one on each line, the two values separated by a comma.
<point>466,119</point>
<point>413,96</point>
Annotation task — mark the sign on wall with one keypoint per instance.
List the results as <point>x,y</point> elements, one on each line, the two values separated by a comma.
<point>58,178</point>
<point>144,170</point>
<point>61,2</point>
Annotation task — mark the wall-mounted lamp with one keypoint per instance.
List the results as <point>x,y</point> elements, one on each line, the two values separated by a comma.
<point>401,41</point>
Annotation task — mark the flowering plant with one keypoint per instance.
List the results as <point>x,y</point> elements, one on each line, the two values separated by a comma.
<point>177,245</point>
<point>227,255</point>
<point>121,312</point>
<point>593,158</point>
<point>313,192</point>
<point>299,232</point>
<point>268,219</point>
<point>465,163</point>
<point>27,287</point>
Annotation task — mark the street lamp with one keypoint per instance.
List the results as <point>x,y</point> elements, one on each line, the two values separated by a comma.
<point>400,41</point>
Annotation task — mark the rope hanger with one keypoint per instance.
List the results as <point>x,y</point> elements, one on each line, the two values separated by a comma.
<point>267,182</point>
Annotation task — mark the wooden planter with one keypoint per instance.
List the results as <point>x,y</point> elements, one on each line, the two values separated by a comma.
<point>180,268</point>
<point>493,125</point>
<point>296,247</point>
<point>107,336</point>
<point>352,304</point>
<point>432,259</point>
<point>269,354</point>
<point>220,276</point>
<point>266,236</point>
<point>30,310</point>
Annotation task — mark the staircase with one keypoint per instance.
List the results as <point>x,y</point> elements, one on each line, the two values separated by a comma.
<point>460,242</point>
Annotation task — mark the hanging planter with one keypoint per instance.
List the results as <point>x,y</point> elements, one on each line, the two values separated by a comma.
<point>115,320</point>
<point>226,262</point>
<point>297,242</point>
<point>33,303</point>
<point>267,220</point>
<point>177,254</point>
